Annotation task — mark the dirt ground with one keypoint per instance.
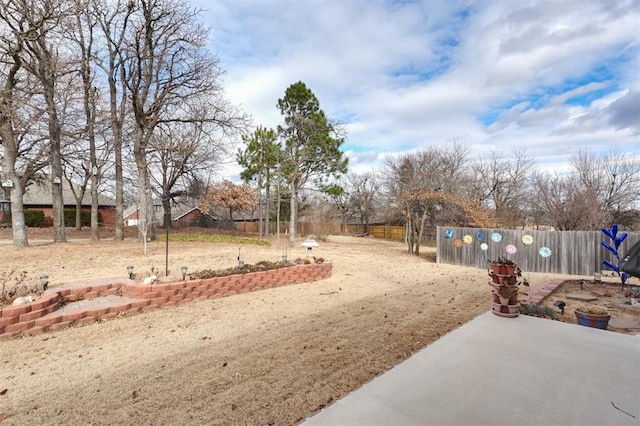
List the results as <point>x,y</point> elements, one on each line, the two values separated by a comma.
<point>270,357</point>
<point>607,294</point>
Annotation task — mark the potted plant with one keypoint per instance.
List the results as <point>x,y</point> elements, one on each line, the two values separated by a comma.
<point>504,267</point>
<point>593,316</point>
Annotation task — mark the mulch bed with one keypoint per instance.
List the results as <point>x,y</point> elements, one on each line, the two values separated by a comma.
<point>607,294</point>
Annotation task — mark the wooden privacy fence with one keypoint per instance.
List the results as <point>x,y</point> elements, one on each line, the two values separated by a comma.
<point>303,229</point>
<point>388,232</point>
<point>306,228</point>
<point>569,252</point>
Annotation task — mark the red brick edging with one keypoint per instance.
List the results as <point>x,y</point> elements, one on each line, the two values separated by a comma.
<point>42,316</point>
<point>541,292</point>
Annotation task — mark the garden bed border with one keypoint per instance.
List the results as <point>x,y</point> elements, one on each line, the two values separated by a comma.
<point>42,314</point>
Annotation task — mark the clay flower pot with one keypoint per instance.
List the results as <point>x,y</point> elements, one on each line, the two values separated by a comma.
<point>589,317</point>
<point>505,300</point>
<point>503,267</point>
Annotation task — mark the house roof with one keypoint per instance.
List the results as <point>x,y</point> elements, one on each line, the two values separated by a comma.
<point>39,194</point>
<point>184,213</point>
<point>178,210</point>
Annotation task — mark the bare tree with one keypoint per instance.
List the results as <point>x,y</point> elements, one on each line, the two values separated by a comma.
<point>363,190</point>
<point>75,168</point>
<point>11,64</point>
<point>430,186</point>
<point>179,153</point>
<point>167,70</point>
<point>114,17</point>
<point>614,181</point>
<point>567,204</point>
<point>501,183</point>
<point>84,37</point>
<point>38,27</point>
<point>415,188</point>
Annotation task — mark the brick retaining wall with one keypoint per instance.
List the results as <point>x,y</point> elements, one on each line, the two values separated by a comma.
<point>42,315</point>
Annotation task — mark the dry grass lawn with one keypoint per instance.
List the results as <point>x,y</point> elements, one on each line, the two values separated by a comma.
<point>268,357</point>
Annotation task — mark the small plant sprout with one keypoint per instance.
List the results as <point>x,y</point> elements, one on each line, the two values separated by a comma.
<point>616,242</point>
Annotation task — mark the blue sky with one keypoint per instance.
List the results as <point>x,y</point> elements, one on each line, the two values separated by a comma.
<point>546,76</point>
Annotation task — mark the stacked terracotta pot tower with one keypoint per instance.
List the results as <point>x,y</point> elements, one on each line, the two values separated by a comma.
<point>504,288</point>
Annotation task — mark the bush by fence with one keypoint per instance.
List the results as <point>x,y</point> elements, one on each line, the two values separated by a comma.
<point>570,252</point>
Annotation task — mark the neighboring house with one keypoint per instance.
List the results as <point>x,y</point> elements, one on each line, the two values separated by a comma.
<point>192,217</point>
<point>38,197</point>
<point>131,215</point>
<point>182,214</point>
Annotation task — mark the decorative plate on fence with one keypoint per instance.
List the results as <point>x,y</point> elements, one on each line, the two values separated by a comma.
<point>484,246</point>
<point>511,249</point>
<point>527,239</point>
<point>457,242</point>
<point>545,251</point>
<point>468,239</point>
<point>448,233</point>
<point>496,237</point>
<point>480,236</point>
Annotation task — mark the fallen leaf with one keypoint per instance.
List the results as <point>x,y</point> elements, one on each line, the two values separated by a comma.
<point>3,391</point>
<point>134,394</point>
<point>233,407</point>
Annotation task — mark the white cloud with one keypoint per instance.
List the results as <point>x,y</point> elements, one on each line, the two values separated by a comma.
<point>624,112</point>
<point>403,75</point>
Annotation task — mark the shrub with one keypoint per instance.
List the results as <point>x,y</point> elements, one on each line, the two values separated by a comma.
<point>14,285</point>
<point>34,218</point>
<point>537,311</point>
<point>85,217</point>
<point>593,310</point>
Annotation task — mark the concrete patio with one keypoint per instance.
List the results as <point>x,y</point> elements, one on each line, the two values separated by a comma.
<point>504,371</point>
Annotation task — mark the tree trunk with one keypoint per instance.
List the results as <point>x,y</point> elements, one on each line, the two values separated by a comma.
<point>260,208</point>
<point>78,225</point>
<point>15,191</point>
<point>17,214</point>
<point>423,219</point>
<point>409,234</point>
<point>89,102</point>
<point>117,146</point>
<point>144,187</point>
<point>231,224</point>
<point>267,230</point>
<point>10,146</point>
<point>117,112</point>
<point>59,233</point>
<point>293,216</point>
<point>95,232</point>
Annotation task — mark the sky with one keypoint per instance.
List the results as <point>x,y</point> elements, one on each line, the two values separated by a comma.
<point>549,77</point>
